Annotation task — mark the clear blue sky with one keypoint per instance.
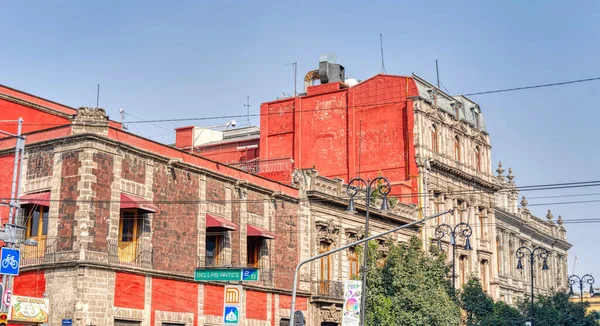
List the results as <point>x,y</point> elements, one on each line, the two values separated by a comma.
<point>181,59</point>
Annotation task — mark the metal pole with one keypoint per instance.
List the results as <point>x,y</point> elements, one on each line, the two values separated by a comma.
<point>363,294</point>
<point>453,263</point>
<point>295,285</point>
<point>581,290</point>
<point>532,311</point>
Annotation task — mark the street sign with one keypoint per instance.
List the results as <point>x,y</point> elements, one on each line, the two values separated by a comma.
<point>10,261</point>
<point>249,274</point>
<point>232,305</point>
<point>226,274</point>
<point>67,322</point>
<point>218,275</point>
<point>6,297</point>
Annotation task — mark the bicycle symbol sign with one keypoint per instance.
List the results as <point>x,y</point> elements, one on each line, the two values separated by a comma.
<point>10,261</point>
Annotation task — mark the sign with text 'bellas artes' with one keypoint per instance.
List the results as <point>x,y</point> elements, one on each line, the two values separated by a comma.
<point>29,310</point>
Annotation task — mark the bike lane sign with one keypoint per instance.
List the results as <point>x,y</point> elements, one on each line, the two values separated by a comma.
<point>10,261</point>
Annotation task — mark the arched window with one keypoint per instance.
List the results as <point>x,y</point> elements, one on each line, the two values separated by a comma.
<point>457,149</point>
<point>478,158</point>
<point>434,138</point>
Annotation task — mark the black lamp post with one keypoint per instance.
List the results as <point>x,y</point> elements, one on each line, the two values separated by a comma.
<point>382,185</point>
<point>541,253</point>
<point>460,228</point>
<point>587,278</point>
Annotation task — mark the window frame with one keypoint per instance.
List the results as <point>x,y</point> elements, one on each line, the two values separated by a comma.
<point>353,266</point>
<point>457,148</point>
<point>40,209</point>
<point>434,139</point>
<point>218,238</point>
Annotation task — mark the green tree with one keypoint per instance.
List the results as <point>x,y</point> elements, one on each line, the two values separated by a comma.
<point>481,310</point>
<point>409,287</point>
<point>557,310</point>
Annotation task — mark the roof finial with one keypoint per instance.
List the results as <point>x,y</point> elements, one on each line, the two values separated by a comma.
<point>510,175</point>
<point>500,170</point>
<point>560,220</point>
<point>524,202</point>
<point>549,216</point>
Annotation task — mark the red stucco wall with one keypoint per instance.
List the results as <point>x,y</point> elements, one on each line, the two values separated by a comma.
<point>30,284</point>
<point>323,131</point>
<point>130,290</point>
<point>175,296</point>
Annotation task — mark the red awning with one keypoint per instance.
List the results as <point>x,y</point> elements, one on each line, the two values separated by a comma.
<point>129,201</point>
<point>257,231</point>
<point>219,222</point>
<point>40,198</point>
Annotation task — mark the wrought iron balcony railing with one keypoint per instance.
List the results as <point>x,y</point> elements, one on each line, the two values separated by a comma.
<point>44,252</point>
<point>130,253</point>
<point>330,289</point>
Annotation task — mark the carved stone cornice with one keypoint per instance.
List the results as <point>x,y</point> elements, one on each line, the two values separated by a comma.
<point>330,314</point>
<point>441,167</point>
<point>327,231</point>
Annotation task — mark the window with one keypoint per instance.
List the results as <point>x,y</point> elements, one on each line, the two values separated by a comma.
<point>254,247</point>
<point>477,159</point>
<point>456,112</point>
<point>353,262</point>
<point>213,248</point>
<point>325,274</point>
<point>462,268</point>
<point>456,149</point>
<point>36,221</point>
<point>482,223</point>
<point>436,205</point>
<point>484,275</point>
<point>498,252</point>
<point>476,119</point>
<point>434,139</point>
<point>127,322</point>
<point>130,228</point>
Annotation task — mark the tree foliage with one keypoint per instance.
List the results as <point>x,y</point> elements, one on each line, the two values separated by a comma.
<point>481,310</point>
<point>557,310</point>
<point>409,287</point>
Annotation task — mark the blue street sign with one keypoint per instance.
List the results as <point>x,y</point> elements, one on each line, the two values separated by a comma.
<point>67,322</point>
<point>10,261</point>
<point>231,315</point>
<point>249,274</point>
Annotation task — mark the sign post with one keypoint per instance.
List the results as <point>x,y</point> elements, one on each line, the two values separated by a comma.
<point>232,305</point>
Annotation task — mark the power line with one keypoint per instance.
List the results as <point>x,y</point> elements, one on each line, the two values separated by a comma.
<point>534,86</point>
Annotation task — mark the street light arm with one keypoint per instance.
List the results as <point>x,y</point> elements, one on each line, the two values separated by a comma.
<point>354,186</point>
<point>543,253</point>
<point>466,229</point>
<point>442,230</point>
<point>587,278</point>
<point>573,279</point>
<point>522,251</point>
<point>384,188</point>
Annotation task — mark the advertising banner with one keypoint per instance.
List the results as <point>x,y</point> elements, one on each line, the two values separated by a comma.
<point>29,310</point>
<point>351,310</point>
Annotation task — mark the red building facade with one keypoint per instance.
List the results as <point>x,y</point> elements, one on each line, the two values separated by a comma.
<point>343,132</point>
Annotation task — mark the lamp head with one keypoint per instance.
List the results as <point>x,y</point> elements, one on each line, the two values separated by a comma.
<point>519,264</point>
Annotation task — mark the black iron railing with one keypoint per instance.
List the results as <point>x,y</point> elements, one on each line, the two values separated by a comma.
<point>44,252</point>
<point>331,289</point>
<point>130,253</point>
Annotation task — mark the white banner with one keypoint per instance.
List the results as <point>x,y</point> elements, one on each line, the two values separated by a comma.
<point>351,309</point>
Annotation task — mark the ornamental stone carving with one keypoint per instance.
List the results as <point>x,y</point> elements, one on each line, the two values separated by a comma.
<point>90,120</point>
<point>331,314</point>
<point>328,231</point>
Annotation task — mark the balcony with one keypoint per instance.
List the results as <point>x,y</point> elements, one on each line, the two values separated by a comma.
<point>276,169</point>
<point>135,254</point>
<point>44,252</point>
<point>330,289</point>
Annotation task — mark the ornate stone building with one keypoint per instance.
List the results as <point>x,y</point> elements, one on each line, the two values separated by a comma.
<point>453,152</point>
<point>517,227</point>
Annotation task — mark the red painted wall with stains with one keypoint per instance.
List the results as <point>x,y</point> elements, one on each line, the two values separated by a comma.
<point>256,305</point>
<point>30,284</point>
<point>175,296</point>
<point>130,290</point>
<point>214,296</point>
<point>322,130</point>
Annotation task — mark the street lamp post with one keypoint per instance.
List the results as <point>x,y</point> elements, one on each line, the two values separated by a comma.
<point>460,228</point>
<point>587,278</point>
<point>382,185</point>
<point>541,253</point>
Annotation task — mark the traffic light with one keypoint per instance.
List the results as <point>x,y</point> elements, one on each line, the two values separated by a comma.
<point>3,319</point>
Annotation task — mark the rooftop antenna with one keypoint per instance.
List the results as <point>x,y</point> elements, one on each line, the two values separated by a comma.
<point>295,64</point>
<point>382,62</point>
<point>98,96</point>
<point>247,105</point>
<point>437,71</point>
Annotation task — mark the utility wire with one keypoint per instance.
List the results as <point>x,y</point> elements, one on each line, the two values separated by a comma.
<point>534,86</point>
